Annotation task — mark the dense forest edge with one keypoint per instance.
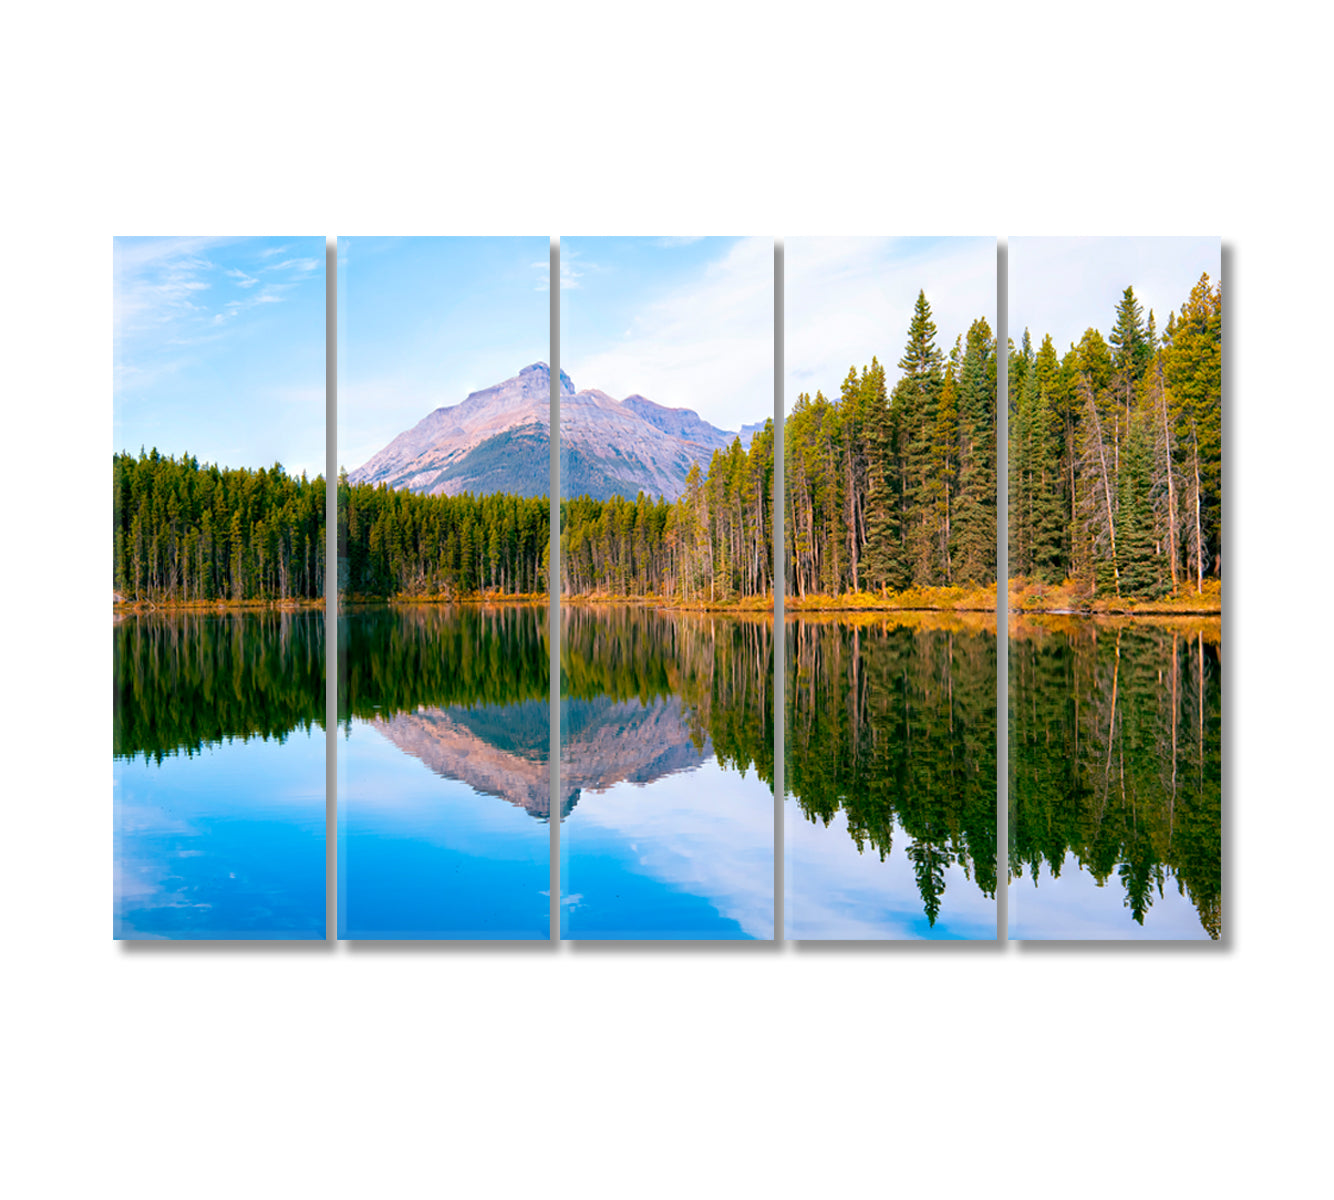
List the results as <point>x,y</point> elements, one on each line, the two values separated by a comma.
<point>1115,500</point>
<point>1116,461</point>
<point>190,534</point>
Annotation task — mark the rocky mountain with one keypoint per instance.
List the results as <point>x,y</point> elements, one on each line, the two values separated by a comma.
<point>498,440</point>
<point>503,751</point>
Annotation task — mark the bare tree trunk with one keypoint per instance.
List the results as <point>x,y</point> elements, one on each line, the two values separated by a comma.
<point>1171,486</point>
<point>1199,538</point>
<point>1107,489</point>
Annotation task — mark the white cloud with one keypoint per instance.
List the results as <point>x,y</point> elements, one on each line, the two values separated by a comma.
<point>572,268</point>
<point>708,832</point>
<point>543,276</point>
<point>707,345</point>
<point>848,299</point>
<point>156,280</point>
<point>301,265</point>
<point>1062,286</point>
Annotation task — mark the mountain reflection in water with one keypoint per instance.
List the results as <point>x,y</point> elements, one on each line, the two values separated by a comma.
<point>461,691</point>
<point>667,748</point>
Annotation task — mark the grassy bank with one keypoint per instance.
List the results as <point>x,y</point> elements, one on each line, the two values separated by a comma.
<point>923,599</point>
<point>202,606</point>
<point>1027,596</point>
<point>352,600</point>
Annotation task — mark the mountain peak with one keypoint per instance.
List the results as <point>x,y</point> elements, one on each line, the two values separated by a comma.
<point>543,372</point>
<point>498,440</point>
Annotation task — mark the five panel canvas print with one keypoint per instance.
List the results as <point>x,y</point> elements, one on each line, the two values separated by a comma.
<point>872,512</point>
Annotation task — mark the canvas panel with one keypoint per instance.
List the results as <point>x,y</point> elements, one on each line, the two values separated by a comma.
<point>1115,539</point>
<point>444,713</point>
<point>890,556</point>
<point>667,600</point>
<point>218,634</point>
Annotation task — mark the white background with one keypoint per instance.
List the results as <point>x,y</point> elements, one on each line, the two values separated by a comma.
<point>192,1072</point>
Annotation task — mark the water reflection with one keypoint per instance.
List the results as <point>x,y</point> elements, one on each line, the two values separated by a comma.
<point>666,770</point>
<point>444,764</point>
<point>218,774</point>
<point>1115,778</point>
<point>890,770</point>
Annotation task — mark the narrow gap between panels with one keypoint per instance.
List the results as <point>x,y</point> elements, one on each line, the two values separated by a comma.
<point>1002,591</point>
<point>331,589</point>
<point>553,592</point>
<point>780,594</point>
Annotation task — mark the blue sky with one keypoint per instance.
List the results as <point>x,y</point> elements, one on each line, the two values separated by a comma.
<point>847,299</point>
<point>219,349</point>
<point>1062,286</point>
<point>687,322</point>
<point>424,321</point>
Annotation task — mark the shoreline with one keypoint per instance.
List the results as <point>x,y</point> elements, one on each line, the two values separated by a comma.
<point>141,607</point>
<point>934,600</point>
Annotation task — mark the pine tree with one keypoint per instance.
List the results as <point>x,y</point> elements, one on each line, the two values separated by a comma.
<point>974,531</point>
<point>1138,562</point>
<point>915,397</point>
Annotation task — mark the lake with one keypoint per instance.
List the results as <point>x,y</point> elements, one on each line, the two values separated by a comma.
<point>890,774</point>
<point>666,775</point>
<point>1115,778</point>
<point>219,776</point>
<point>444,772</point>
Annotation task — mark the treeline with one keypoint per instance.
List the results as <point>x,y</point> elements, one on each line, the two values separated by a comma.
<point>1116,760</point>
<point>186,532</point>
<point>400,543</point>
<point>897,489</point>
<point>1116,453</point>
<point>715,542</point>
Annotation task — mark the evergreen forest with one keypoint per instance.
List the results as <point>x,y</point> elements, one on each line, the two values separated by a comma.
<point>186,532</point>
<point>897,489</point>
<point>1116,453</point>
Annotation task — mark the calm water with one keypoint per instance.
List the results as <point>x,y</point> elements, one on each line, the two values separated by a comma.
<point>890,772</point>
<point>666,763</point>
<point>219,776</point>
<point>1115,778</point>
<point>444,773</point>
